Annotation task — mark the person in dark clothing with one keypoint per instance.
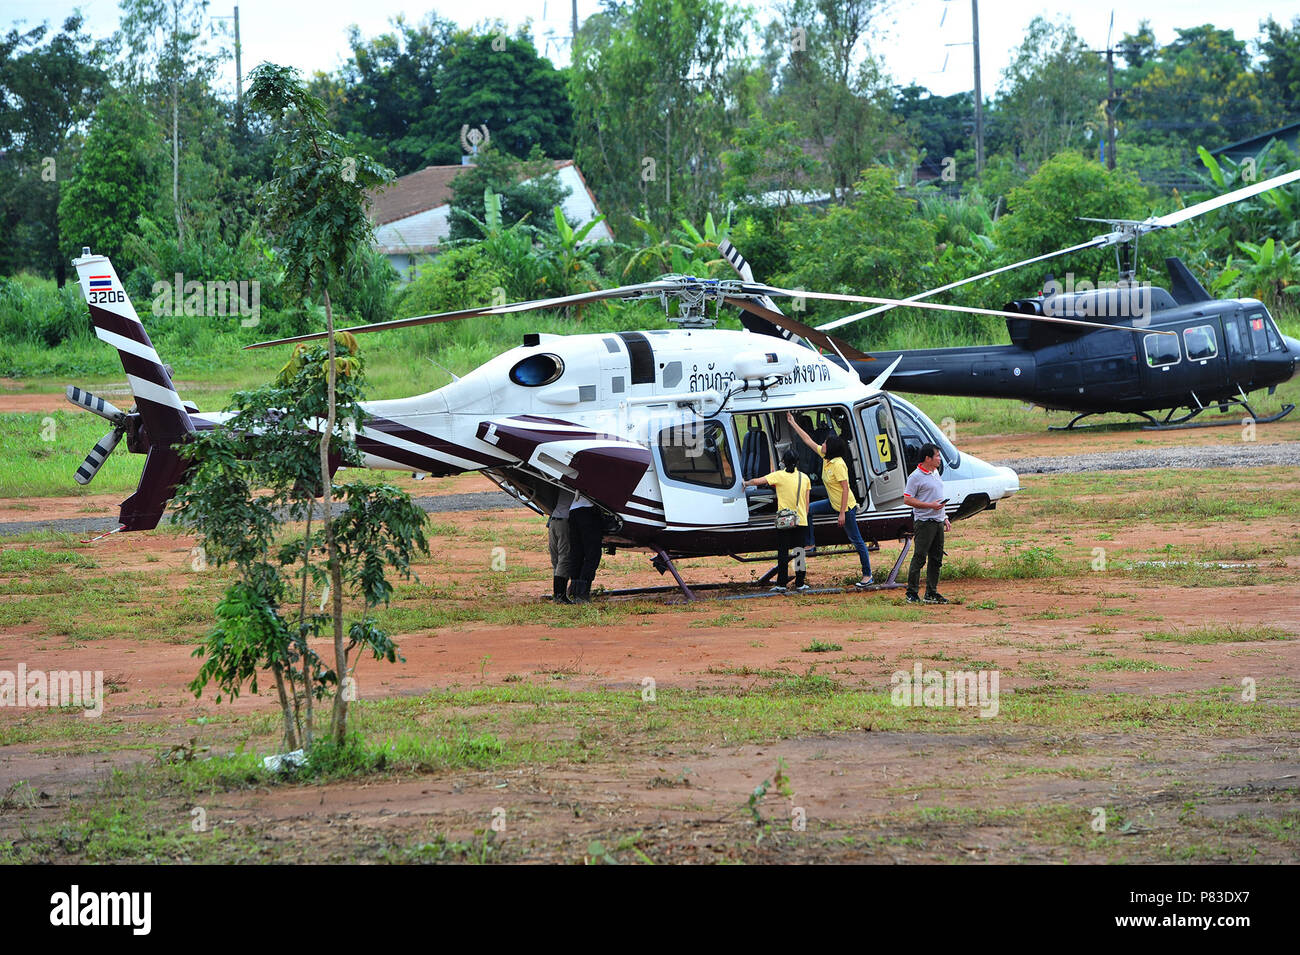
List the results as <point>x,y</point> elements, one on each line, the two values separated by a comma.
<point>586,532</point>
<point>558,541</point>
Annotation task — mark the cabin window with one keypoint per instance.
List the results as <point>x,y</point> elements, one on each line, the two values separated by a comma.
<point>1161,350</point>
<point>1200,343</point>
<point>672,374</point>
<point>697,453</point>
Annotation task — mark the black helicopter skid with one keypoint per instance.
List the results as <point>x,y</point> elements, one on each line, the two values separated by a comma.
<point>1182,422</point>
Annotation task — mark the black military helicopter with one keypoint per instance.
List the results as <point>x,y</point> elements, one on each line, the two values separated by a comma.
<point>1229,347</point>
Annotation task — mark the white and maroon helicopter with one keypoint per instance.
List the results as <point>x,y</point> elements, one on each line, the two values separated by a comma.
<point>658,428</point>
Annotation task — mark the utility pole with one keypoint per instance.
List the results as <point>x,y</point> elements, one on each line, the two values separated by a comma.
<point>575,28</point>
<point>239,79</point>
<point>1110,108</point>
<point>979,96</point>
<point>239,75</point>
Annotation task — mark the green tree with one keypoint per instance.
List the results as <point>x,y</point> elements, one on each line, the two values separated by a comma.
<point>875,244</point>
<point>498,82</point>
<point>48,90</point>
<point>832,87</point>
<point>1052,94</point>
<point>1280,49</point>
<point>1199,90</point>
<point>940,126</point>
<point>528,190</point>
<point>316,208</point>
<point>407,95</point>
<point>249,479</point>
<point>166,61</point>
<point>386,86</point>
<point>768,158</point>
<point>115,183</point>
<point>652,92</point>
<point>1045,212</point>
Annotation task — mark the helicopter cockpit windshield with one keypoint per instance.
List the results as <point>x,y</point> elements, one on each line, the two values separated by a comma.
<point>915,429</point>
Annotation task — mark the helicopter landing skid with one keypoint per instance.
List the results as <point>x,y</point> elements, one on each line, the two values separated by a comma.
<point>1185,420</point>
<point>1170,423</point>
<point>661,562</point>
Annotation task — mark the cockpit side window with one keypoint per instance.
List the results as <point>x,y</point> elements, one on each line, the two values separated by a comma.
<point>697,453</point>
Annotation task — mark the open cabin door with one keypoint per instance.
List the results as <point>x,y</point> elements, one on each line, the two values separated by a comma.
<point>886,472</point>
<point>699,474</point>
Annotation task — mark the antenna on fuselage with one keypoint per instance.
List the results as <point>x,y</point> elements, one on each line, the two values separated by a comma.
<point>454,376</point>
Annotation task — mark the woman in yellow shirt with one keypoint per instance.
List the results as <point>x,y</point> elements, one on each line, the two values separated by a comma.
<point>792,489</point>
<point>839,498</point>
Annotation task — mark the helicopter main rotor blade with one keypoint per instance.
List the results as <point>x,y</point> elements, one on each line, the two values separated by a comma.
<point>921,296</point>
<point>624,291</point>
<point>896,302</point>
<point>821,339</point>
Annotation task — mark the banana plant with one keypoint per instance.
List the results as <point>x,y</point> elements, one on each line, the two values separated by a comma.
<point>685,251</point>
<point>569,265</point>
<point>1273,271</point>
<point>510,248</point>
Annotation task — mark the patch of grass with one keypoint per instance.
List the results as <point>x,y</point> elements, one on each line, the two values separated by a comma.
<point>864,611</point>
<point>1224,633</point>
<point>1027,563</point>
<point>1124,663</point>
<point>28,559</point>
<point>818,646</point>
<point>724,621</point>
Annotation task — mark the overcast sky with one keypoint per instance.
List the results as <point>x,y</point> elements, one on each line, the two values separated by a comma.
<point>927,41</point>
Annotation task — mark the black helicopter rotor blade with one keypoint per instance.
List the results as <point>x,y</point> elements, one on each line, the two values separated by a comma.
<point>935,306</point>
<point>921,296</point>
<point>623,291</point>
<point>820,339</point>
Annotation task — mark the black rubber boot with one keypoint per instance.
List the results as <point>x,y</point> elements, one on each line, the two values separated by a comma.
<point>582,591</point>
<point>557,593</point>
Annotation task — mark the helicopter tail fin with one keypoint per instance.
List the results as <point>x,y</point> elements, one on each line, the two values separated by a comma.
<point>1183,285</point>
<point>162,420</point>
<point>752,322</point>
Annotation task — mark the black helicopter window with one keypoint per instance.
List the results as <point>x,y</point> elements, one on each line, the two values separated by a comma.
<point>1265,338</point>
<point>537,370</point>
<point>1200,343</point>
<point>1232,331</point>
<point>697,453</point>
<point>1161,350</point>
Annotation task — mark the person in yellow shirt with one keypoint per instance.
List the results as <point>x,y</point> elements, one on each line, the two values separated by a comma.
<point>792,489</point>
<point>839,497</point>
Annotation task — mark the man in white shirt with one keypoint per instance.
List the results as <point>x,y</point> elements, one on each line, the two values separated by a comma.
<point>924,495</point>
